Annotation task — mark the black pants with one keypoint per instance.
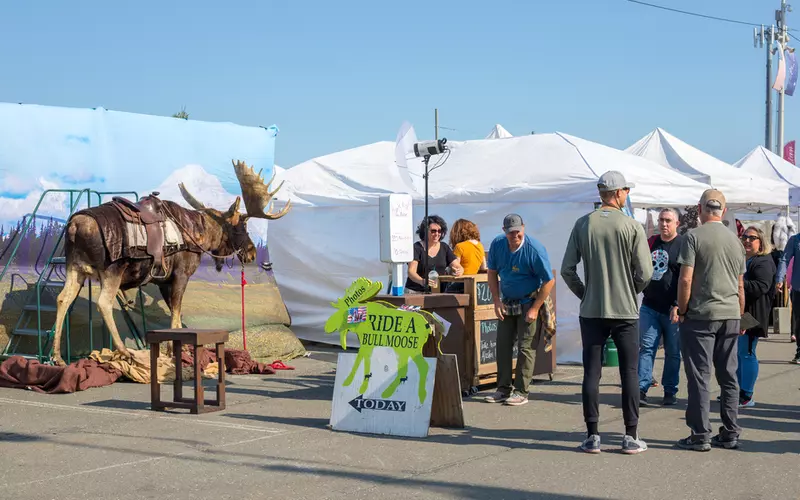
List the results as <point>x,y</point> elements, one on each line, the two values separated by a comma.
<point>625,333</point>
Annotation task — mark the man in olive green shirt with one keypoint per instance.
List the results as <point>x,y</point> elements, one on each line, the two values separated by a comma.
<point>710,307</point>
<point>617,267</point>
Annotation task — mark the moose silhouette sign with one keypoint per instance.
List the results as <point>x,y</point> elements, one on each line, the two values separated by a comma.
<point>375,391</point>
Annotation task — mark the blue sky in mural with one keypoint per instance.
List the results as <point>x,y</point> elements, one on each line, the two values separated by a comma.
<point>43,147</point>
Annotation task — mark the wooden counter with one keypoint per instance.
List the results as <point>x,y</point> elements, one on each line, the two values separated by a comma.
<point>480,335</point>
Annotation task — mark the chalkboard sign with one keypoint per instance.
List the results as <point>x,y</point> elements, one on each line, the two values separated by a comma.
<point>488,347</point>
<point>483,295</point>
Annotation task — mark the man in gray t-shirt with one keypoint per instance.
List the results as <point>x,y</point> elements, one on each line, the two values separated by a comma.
<point>710,307</point>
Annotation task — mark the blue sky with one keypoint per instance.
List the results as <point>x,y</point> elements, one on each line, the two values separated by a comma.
<point>334,75</point>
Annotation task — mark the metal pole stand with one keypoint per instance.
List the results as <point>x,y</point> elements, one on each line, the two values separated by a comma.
<point>426,287</point>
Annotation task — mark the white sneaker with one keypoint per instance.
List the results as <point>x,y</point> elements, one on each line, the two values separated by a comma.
<point>591,444</point>
<point>632,446</point>
<point>516,399</point>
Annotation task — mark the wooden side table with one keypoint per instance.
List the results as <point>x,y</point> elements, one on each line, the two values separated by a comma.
<point>196,338</point>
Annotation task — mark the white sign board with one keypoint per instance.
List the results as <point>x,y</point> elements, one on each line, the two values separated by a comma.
<point>396,228</point>
<point>390,402</point>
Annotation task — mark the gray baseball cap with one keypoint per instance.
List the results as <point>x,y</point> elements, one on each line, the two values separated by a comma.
<point>612,181</point>
<point>512,222</point>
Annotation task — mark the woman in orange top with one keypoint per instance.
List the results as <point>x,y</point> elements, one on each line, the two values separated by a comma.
<point>465,239</point>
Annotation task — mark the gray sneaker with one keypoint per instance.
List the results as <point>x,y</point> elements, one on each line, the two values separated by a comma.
<point>497,397</point>
<point>591,444</point>
<point>728,444</point>
<point>632,446</point>
<point>689,443</point>
<point>516,399</point>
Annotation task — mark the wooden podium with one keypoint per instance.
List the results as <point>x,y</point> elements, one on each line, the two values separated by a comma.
<point>478,347</point>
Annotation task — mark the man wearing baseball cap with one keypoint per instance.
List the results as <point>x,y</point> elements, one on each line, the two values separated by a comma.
<point>526,280</point>
<point>710,307</point>
<point>617,267</point>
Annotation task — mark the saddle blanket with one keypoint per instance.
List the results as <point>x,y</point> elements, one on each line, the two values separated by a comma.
<point>137,236</point>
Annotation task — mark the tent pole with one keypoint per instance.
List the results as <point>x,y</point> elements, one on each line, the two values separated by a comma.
<point>426,287</point>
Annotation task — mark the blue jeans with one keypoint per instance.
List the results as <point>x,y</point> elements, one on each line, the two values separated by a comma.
<point>652,326</point>
<point>748,365</point>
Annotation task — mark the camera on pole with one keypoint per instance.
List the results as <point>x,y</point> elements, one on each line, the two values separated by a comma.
<point>430,148</point>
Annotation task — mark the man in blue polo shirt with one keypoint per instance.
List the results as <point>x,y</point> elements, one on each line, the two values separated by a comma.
<point>524,268</point>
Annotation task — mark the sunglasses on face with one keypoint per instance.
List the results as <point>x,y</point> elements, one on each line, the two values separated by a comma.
<point>435,231</point>
<point>749,238</point>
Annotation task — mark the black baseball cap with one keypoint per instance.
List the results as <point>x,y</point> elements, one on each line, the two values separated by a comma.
<point>512,222</point>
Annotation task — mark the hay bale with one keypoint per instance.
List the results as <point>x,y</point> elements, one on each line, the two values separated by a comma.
<point>268,343</point>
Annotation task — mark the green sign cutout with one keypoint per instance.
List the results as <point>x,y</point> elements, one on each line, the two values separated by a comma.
<point>380,324</point>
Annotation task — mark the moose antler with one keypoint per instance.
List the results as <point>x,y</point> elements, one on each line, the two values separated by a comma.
<point>256,193</point>
<point>191,200</point>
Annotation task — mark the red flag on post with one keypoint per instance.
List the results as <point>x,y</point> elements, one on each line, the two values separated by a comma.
<point>788,152</point>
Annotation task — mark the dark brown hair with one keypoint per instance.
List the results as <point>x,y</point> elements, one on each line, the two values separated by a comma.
<point>463,230</point>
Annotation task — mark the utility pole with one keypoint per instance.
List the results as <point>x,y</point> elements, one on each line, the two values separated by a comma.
<point>436,122</point>
<point>759,37</point>
<point>783,41</point>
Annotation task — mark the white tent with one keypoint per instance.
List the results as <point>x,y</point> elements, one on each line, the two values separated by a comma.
<point>498,132</point>
<point>331,235</point>
<point>742,189</point>
<point>766,164</point>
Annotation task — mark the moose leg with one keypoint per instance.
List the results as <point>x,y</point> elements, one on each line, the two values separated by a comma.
<point>352,375</point>
<point>367,371</point>
<point>166,294</point>
<point>72,287</point>
<point>176,299</point>
<point>422,368</point>
<point>176,289</point>
<point>109,285</point>
<point>402,373</point>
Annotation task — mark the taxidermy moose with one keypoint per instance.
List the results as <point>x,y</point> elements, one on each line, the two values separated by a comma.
<point>98,246</point>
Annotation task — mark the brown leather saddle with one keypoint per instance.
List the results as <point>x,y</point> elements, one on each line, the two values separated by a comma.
<point>148,212</point>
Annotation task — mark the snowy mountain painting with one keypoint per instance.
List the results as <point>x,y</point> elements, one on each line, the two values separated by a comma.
<point>208,190</point>
<point>46,147</point>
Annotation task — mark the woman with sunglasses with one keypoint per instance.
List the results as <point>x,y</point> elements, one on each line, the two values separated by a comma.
<point>440,255</point>
<point>759,287</point>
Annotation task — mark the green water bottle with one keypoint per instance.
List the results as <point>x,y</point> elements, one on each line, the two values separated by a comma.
<point>610,355</point>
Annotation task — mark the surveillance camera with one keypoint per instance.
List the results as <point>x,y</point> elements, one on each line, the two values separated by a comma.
<point>430,148</point>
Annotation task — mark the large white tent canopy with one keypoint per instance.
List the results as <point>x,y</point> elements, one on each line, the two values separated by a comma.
<point>766,164</point>
<point>742,188</point>
<point>331,235</point>
<point>498,132</point>
<point>553,168</point>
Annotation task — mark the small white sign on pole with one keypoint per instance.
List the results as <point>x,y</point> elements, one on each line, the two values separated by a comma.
<point>381,396</point>
<point>396,232</point>
<point>396,228</point>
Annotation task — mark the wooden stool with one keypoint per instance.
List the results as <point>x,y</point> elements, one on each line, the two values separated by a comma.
<point>196,338</point>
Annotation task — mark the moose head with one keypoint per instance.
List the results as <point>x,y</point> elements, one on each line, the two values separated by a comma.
<point>233,224</point>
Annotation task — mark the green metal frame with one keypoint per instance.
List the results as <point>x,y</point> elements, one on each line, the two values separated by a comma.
<point>43,280</point>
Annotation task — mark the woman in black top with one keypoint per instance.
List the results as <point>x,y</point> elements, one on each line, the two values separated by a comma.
<point>440,255</point>
<point>759,287</point>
